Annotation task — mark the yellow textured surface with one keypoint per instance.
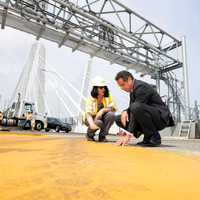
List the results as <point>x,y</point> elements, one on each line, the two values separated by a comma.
<point>47,168</point>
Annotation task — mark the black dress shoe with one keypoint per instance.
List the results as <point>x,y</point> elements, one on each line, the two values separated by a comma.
<point>153,141</point>
<point>148,144</point>
<point>143,143</point>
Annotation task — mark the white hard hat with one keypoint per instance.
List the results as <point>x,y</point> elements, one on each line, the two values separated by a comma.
<point>98,81</point>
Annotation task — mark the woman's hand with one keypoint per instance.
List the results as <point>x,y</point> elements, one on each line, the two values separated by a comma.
<point>93,126</point>
<point>91,123</point>
<point>105,110</point>
<point>101,112</point>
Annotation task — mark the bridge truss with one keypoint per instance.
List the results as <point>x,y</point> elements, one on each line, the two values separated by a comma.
<point>103,28</point>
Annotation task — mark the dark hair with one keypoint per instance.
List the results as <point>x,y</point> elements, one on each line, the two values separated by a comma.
<point>94,92</point>
<point>123,75</point>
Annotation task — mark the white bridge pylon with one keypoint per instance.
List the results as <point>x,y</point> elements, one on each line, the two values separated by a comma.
<point>32,87</point>
<point>31,84</point>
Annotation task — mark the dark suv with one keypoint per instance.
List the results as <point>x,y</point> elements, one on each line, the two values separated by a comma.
<point>57,125</point>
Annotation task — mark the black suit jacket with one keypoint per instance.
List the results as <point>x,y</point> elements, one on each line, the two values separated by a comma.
<point>145,93</point>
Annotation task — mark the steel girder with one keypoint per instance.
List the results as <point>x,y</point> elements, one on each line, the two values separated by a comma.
<point>103,28</point>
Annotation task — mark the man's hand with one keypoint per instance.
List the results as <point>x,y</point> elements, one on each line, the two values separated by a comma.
<point>124,118</point>
<point>124,138</point>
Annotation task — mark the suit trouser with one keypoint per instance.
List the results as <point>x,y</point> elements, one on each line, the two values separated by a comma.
<point>104,123</point>
<point>143,119</point>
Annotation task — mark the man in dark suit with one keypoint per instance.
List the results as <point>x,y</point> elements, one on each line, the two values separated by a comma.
<point>146,114</point>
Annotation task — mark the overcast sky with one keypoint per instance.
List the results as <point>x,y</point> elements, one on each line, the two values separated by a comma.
<point>179,17</point>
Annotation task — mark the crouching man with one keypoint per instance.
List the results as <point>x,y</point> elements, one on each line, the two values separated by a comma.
<point>147,113</point>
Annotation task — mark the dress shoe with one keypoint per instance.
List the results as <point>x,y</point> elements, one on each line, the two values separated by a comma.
<point>155,139</point>
<point>152,141</point>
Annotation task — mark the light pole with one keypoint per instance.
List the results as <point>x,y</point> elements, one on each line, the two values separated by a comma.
<point>185,78</point>
<point>0,102</point>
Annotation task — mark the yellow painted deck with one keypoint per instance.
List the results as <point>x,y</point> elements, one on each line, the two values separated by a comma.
<point>64,168</point>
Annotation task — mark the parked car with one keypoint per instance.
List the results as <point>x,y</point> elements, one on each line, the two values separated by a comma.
<point>57,125</point>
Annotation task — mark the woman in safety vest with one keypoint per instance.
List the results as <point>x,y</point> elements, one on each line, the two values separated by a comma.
<point>99,110</point>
